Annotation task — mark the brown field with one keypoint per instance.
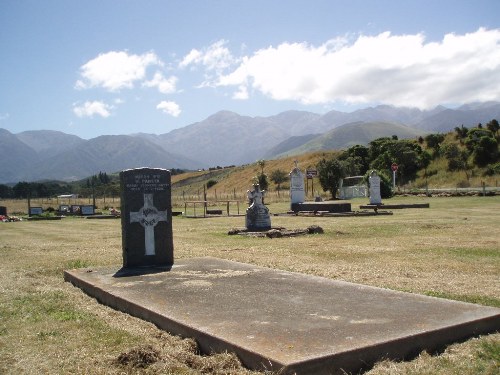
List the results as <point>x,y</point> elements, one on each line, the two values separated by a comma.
<point>451,250</point>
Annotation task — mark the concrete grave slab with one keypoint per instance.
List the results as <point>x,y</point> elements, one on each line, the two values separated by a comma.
<point>326,206</point>
<point>281,320</point>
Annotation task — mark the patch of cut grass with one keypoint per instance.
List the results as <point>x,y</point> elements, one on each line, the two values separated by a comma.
<point>489,350</point>
<point>466,252</point>
<point>35,307</point>
<point>480,300</point>
<point>77,263</point>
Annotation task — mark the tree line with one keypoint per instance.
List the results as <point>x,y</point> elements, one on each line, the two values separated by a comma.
<point>96,184</point>
<point>476,147</point>
<point>100,184</point>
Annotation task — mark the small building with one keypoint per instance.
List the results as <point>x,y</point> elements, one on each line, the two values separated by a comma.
<point>353,187</point>
<point>61,198</point>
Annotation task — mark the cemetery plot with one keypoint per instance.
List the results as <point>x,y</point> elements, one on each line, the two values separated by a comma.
<point>283,321</point>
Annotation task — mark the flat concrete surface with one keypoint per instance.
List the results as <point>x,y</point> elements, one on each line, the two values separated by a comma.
<point>395,206</point>
<point>281,320</point>
<point>327,206</point>
<point>345,214</point>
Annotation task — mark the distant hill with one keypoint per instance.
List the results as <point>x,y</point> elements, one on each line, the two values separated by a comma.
<point>225,138</point>
<point>69,162</point>
<point>467,115</point>
<point>108,153</point>
<point>289,144</point>
<point>357,133</point>
<point>49,142</point>
<point>15,156</point>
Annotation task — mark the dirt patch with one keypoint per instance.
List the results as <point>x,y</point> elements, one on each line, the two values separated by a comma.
<point>278,232</point>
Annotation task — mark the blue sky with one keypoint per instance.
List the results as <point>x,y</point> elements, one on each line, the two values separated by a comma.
<point>119,67</point>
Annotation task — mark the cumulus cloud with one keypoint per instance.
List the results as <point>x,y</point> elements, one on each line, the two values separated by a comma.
<point>215,58</point>
<point>170,108</point>
<point>403,70</point>
<point>89,109</point>
<point>164,85</point>
<point>116,70</point>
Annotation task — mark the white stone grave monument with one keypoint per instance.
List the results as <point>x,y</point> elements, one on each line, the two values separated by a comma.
<point>297,190</point>
<point>374,181</point>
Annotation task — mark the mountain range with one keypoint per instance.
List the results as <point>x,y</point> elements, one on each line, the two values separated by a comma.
<point>225,138</point>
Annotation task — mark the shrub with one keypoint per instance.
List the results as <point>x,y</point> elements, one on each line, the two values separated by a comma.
<point>492,169</point>
<point>211,183</point>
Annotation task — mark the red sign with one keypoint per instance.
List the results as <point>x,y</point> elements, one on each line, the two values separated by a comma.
<point>394,167</point>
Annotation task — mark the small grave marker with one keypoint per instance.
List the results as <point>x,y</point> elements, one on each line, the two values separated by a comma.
<point>375,197</point>
<point>146,215</point>
<point>35,211</point>
<point>87,210</point>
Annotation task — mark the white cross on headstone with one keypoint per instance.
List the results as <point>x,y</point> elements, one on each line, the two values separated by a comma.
<point>148,216</point>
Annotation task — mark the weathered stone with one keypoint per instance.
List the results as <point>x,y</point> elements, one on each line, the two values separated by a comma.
<point>374,180</point>
<point>297,190</point>
<point>287,322</point>
<point>257,215</point>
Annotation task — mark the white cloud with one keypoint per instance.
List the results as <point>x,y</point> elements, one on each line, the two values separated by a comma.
<point>170,108</point>
<point>4,116</point>
<point>193,57</point>
<point>164,85</point>
<point>89,109</point>
<point>402,70</point>
<point>215,57</point>
<point>242,93</point>
<point>116,70</point>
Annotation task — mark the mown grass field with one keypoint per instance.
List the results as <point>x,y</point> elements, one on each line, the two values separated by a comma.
<point>451,250</point>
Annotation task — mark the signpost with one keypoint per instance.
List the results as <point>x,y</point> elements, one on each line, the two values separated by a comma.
<point>394,168</point>
<point>310,174</point>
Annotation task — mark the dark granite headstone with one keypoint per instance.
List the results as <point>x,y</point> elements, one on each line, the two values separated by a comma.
<point>87,209</point>
<point>3,210</point>
<point>35,211</point>
<point>146,215</point>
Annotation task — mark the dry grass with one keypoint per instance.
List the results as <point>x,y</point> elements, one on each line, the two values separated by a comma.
<point>451,250</point>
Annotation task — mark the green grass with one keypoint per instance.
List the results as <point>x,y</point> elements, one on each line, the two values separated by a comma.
<point>480,300</point>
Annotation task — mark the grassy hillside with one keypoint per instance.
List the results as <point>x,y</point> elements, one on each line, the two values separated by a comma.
<point>239,179</point>
<point>438,176</point>
<point>357,133</point>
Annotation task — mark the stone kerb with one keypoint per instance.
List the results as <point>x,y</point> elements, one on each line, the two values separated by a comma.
<point>146,217</point>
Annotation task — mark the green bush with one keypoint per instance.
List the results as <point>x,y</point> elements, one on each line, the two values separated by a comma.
<point>492,169</point>
<point>211,183</point>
